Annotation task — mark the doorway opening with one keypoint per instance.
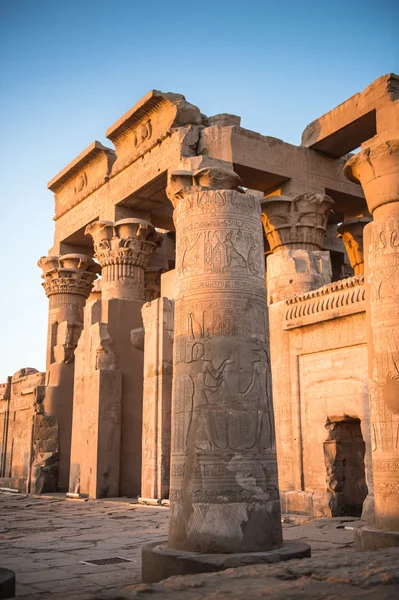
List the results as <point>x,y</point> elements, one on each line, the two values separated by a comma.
<point>344,451</point>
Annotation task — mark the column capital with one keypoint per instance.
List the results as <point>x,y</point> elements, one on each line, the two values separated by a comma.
<point>123,249</point>
<point>68,274</point>
<point>376,168</point>
<point>296,221</point>
<point>129,241</point>
<point>351,232</point>
<point>198,174</point>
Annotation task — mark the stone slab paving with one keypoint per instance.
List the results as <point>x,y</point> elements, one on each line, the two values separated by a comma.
<point>45,539</point>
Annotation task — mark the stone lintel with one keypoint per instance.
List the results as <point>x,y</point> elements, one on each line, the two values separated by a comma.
<point>266,163</point>
<point>354,121</point>
<point>81,177</point>
<point>148,123</point>
<point>75,166</point>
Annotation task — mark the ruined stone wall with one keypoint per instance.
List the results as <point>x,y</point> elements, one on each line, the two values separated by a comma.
<point>29,437</point>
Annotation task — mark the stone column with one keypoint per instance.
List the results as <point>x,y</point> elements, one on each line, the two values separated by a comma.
<point>107,419</point>
<point>157,400</point>
<point>68,280</point>
<point>376,167</point>
<point>295,226</point>
<point>123,250</point>
<point>224,495</point>
<point>351,232</point>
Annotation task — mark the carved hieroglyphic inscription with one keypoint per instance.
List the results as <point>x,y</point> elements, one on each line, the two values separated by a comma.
<point>224,471</point>
<point>383,281</point>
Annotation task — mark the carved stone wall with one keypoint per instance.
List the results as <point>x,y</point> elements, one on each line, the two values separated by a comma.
<point>319,367</point>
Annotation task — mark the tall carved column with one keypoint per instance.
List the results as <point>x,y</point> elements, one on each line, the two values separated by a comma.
<point>107,417</point>
<point>376,167</point>
<point>295,227</point>
<point>224,492</point>
<point>224,495</point>
<point>351,232</point>
<point>68,281</point>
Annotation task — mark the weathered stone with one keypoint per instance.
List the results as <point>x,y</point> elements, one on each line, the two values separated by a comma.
<point>351,231</point>
<point>157,399</point>
<point>376,167</point>
<point>224,495</point>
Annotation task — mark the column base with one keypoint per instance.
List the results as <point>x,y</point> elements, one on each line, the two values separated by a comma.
<point>371,538</point>
<point>160,562</point>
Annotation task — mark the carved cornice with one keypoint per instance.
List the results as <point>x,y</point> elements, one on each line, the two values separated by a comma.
<point>376,168</point>
<point>126,243</point>
<point>331,301</point>
<point>296,221</point>
<point>68,274</point>
<point>351,232</point>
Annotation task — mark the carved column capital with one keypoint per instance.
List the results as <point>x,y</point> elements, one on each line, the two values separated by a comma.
<point>292,222</point>
<point>351,232</point>
<point>123,249</point>
<point>376,167</point>
<point>200,174</point>
<point>68,274</point>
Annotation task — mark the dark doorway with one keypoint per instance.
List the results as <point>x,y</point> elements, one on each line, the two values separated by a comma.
<point>344,451</point>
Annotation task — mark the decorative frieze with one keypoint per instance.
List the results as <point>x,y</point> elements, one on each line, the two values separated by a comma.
<point>123,250</point>
<point>296,221</point>
<point>331,301</point>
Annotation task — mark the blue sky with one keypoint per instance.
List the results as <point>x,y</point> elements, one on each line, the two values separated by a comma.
<point>70,68</point>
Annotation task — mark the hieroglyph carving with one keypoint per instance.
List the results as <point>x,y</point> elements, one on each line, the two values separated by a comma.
<point>383,279</point>
<point>223,472</point>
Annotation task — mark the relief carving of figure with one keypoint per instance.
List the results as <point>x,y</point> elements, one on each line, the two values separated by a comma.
<point>235,260</point>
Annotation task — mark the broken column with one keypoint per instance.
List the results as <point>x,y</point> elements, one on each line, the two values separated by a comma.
<point>376,167</point>
<point>68,280</point>
<point>107,415</point>
<point>224,495</point>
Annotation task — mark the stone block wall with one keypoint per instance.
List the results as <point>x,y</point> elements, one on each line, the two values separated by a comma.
<point>28,436</point>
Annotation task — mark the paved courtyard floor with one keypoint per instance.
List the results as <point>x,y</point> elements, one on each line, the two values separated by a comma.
<point>49,541</point>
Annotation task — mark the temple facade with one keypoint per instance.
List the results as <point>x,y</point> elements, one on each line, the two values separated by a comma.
<point>223,324</point>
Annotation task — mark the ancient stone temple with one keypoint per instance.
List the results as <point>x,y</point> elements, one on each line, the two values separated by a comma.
<point>223,327</point>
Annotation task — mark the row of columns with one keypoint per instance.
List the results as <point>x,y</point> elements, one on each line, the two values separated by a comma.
<point>224,492</point>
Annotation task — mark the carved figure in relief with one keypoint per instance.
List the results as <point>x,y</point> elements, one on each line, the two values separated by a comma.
<point>234,258</point>
<point>190,254</point>
<point>142,133</point>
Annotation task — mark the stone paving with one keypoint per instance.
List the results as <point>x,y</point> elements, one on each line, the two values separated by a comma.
<point>46,541</point>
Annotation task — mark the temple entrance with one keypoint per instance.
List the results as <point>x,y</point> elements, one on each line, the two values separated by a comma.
<point>344,451</point>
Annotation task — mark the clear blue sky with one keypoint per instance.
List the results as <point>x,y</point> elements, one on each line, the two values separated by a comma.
<point>70,68</point>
